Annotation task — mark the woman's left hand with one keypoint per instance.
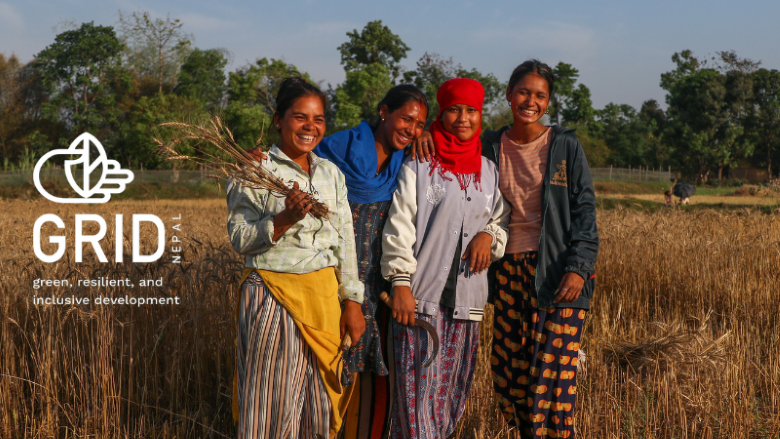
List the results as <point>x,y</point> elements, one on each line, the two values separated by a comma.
<point>570,288</point>
<point>478,252</point>
<point>352,320</point>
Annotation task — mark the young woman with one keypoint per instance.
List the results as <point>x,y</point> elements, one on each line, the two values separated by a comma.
<point>370,157</point>
<point>445,226</point>
<point>298,270</point>
<point>542,286</point>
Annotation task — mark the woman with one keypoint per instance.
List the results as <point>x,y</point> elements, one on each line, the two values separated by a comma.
<point>542,286</point>
<point>544,282</point>
<point>298,269</point>
<point>450,212</point>
<point>370,157</point>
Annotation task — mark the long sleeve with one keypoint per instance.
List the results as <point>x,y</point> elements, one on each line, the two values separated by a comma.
<point>399,236</point>
<point>250,230</point>
<point>584,245</point>
<point>350,287</point>
<point>497,226</point>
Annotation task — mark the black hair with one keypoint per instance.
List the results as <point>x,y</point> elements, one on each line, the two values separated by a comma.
<point>399,95</point>
<point>533,66</point>
<point>294,88</point>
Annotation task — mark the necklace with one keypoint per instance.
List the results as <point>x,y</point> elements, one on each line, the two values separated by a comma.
<point>544,129</point>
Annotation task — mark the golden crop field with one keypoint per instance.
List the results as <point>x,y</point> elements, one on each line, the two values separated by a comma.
<point>683,340</point>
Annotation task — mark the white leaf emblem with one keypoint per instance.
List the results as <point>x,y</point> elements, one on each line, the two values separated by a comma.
<point>108,172</point>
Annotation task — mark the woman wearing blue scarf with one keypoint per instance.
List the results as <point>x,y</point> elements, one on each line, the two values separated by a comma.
<point>370,158</point>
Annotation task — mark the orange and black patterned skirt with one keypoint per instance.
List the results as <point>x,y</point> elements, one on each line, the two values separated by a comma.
<point>535,353</point>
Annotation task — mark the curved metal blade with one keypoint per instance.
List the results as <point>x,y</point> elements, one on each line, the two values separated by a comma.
<point>434,335</point>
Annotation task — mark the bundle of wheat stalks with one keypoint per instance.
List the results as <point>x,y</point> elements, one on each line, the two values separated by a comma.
<point>244,169</point>
<point>678,347</point>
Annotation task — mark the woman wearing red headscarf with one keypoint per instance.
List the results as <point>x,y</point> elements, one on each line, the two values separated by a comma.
<point>446,224</point>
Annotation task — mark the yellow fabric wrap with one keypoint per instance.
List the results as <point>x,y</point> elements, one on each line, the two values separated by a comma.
<point>312,301</point>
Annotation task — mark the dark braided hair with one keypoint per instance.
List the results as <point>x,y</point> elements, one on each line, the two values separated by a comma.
<point>532,66</point>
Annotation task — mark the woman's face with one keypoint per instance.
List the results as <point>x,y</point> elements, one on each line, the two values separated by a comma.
<point>529,99</point>
<point>403,125</point>
<point>302,125</point>
<point>462,121</point>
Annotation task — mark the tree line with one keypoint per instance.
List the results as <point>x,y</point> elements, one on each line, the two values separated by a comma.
<point>120,82</point>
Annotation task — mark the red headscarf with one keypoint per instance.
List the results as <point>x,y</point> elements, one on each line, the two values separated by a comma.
<point>461,158</point>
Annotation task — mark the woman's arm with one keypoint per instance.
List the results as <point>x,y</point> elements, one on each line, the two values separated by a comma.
<point>251,230</point>
<point>498,225</point>
<point>399,236</point>
<point>584,244</point>
<point>350,288</point>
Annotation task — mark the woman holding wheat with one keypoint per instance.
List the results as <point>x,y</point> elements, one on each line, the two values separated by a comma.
<point>300,271</point>
<point>542,286</point>
<point>370,156</point>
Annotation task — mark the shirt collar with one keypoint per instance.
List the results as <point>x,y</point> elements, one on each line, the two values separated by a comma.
<point>277,152</point>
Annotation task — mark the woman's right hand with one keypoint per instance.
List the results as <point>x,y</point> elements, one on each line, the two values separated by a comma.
<point>257,153</point>
<point>403,305</point>
<point>296,206</point>
<point>422,147</point>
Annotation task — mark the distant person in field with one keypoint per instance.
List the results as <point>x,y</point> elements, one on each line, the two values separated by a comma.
<point>299,273</point>
<point>370,156</point>
<point>446,224</point>
<point>542,287</point>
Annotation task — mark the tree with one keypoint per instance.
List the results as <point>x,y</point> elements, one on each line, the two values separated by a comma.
<point>565,78</point>
<point>654,119</point>
<point>81,72</point>
<point>696,99</point>
<point>374,44</point>
<point>579,106</point>
<point>356,99</point>
<point>202,77</point>
<point>763,122</point>
<point>11,105</point>
<point>251,92</point>
<point>156,47</point>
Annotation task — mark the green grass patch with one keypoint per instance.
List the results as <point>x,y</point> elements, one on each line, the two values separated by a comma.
<point>631,187</point>
<point>652,206</point>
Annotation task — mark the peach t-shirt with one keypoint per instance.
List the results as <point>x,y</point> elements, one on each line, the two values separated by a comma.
<point>521,171</point>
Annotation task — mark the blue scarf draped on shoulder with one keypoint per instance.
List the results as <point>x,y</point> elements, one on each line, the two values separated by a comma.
<point>354,153</point>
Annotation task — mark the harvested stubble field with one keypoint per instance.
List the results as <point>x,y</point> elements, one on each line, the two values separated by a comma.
<point>682,341</point>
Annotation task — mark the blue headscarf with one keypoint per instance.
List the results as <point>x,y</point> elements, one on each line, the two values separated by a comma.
<point>354,152</point>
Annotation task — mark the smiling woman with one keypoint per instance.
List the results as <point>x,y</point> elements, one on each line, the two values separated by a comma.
<point>298,269</point>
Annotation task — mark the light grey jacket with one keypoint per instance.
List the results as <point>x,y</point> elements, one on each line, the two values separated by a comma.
<point>424,223</point>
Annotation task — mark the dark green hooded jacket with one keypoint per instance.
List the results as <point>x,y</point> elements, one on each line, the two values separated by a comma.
<point>569,241</point>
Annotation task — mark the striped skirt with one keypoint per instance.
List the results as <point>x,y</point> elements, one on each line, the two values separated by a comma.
<point>430,401</point>
<point>280,390</point>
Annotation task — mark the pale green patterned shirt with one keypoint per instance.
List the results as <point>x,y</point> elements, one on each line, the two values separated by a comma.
<point>308,245</point>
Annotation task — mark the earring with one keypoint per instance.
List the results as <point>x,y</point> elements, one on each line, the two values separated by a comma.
<point>547,111</point>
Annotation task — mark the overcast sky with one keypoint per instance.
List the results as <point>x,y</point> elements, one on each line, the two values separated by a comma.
<point>620,47</point>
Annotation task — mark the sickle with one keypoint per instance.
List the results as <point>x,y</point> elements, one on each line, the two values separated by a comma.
<point>346,343</point>
<point>422,324</point>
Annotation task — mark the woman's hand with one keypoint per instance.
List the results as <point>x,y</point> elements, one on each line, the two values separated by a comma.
<point>352,320</point>
<point>403,305</point>
<point>422,148</point>
<point>570,288</point>
<point>478,252</point>
<point>257,153</point>
<point>296,206</point>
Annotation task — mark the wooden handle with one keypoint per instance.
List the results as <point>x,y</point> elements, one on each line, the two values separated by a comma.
<point>386,298</point>
<point>346,342</point>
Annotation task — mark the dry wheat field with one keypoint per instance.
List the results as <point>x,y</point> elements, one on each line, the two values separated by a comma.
<point>683,340</point>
